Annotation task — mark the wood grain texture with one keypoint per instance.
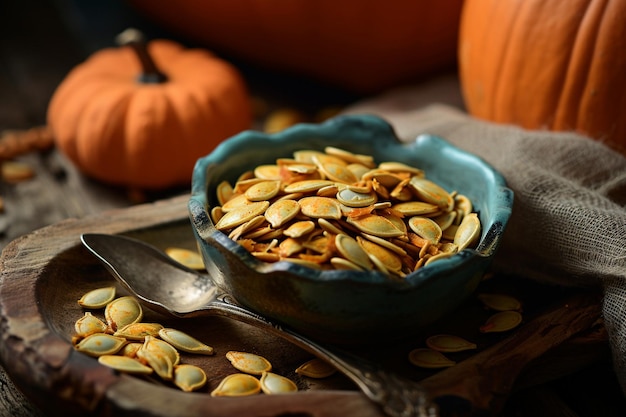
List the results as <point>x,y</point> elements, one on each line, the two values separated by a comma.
<point>44,272</point>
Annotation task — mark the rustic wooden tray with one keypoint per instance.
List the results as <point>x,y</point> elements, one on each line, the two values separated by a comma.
<point>44,273</point>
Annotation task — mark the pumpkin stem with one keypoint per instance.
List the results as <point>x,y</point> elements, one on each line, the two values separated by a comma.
<point>136,40</point>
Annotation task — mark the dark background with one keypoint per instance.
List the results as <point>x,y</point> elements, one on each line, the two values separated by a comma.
<point>41,40</point>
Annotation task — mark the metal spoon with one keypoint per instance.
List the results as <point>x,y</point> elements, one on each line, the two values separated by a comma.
<point>168,287</point>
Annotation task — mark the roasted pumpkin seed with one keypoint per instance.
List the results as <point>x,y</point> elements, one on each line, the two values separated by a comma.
<point>500,302</point>
<point>237,385</point>
<point>182,341</point>
<point>189,377</point>
<point>468,231</point>
<point>429,358</point>
<point>122,312</point>
<point>89,324</point>
<point>189,258</point>
<point>501,322</point>
<point>272,383</point>
<point>282,212</point>
<point>249,363</point>
<point>99,344</point>
<point>316,368</point>
<point>138,331</point>
<point>97,298</point>
<point>125,364</point>
<point>161,363</point>
<point>161,348</point>
<point>449,343</point>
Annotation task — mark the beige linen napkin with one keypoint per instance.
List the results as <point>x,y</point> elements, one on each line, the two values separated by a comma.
<point>568,224</point>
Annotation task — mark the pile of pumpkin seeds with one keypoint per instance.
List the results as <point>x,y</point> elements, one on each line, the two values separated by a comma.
<point>123,342</point>
<point>340,210</point>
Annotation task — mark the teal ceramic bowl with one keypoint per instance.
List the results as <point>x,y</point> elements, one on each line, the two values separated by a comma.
<point>342,306</point>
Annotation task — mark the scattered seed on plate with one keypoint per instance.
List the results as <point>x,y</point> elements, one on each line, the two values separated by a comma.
<point>99,344</point>
<point>189,377</point>
<point>316,368</point>
<point>161,348</point>
<point>501,322</point>
<point>186,343</point>
<point>125,364</point>
<point>139,331</point>
<point>89,324</point>
<point>429,358</point>
<point>191,259</point>
<point>272,383</point>
<point>97,298</point>
<point>161,363</point>
<point>237,385</point>
<point>249,362</point>
<point>122,312</point>
<point>130,349</point>
<point>449,343</point>
<point>500,302</point>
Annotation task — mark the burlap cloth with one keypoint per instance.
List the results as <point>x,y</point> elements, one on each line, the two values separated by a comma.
<point>569,218</point>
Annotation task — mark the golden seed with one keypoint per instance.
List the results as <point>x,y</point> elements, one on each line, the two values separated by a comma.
<point>449,343</point>
<point>500,302</point>
<point>189,258</point>
<point>161,348</point>
<point>130,349</point>
<point>272,383</point>
<point>189,377</point>
<point>468,232</point>
<point>241,215</point>
<point>97,298</point>
<point>501,322</point>
<point>89,324</point>
<point>316,368</point>
<point>249,362</point>
<point>122,312</point>
<point>237,385</point>
<point>99,344</point>
<point>15,171</point>
<point>281,212</point>
<point>182,341</point>
<point>429,358</point>
<point>161,363</point>
<point>320,207</point>
<point>138,331</point>
<point>125,364</point>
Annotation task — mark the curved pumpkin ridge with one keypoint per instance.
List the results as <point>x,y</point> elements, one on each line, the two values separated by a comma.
<point>99,134</point>
<point>151,151</point>
<point>518,73</point>
<point>481,77</point>
<point>595,117</point>
<point>576,75</point>
<point>68,108</point>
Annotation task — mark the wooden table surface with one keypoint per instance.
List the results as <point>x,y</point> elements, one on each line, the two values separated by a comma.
<point>40,41</point>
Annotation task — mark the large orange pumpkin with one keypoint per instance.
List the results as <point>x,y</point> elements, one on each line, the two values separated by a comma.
<point>144,122</point>
<point>547,64</point>
<point>360,45</point>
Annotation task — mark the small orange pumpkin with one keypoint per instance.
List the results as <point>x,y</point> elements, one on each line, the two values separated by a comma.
<point>549,64</point>
<point>122,121</point>
<point>362,46</point>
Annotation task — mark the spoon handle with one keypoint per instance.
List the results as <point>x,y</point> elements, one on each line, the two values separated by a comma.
<point>399,397</point>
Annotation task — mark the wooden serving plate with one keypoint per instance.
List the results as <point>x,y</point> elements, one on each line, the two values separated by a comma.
<point>44,273</point>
